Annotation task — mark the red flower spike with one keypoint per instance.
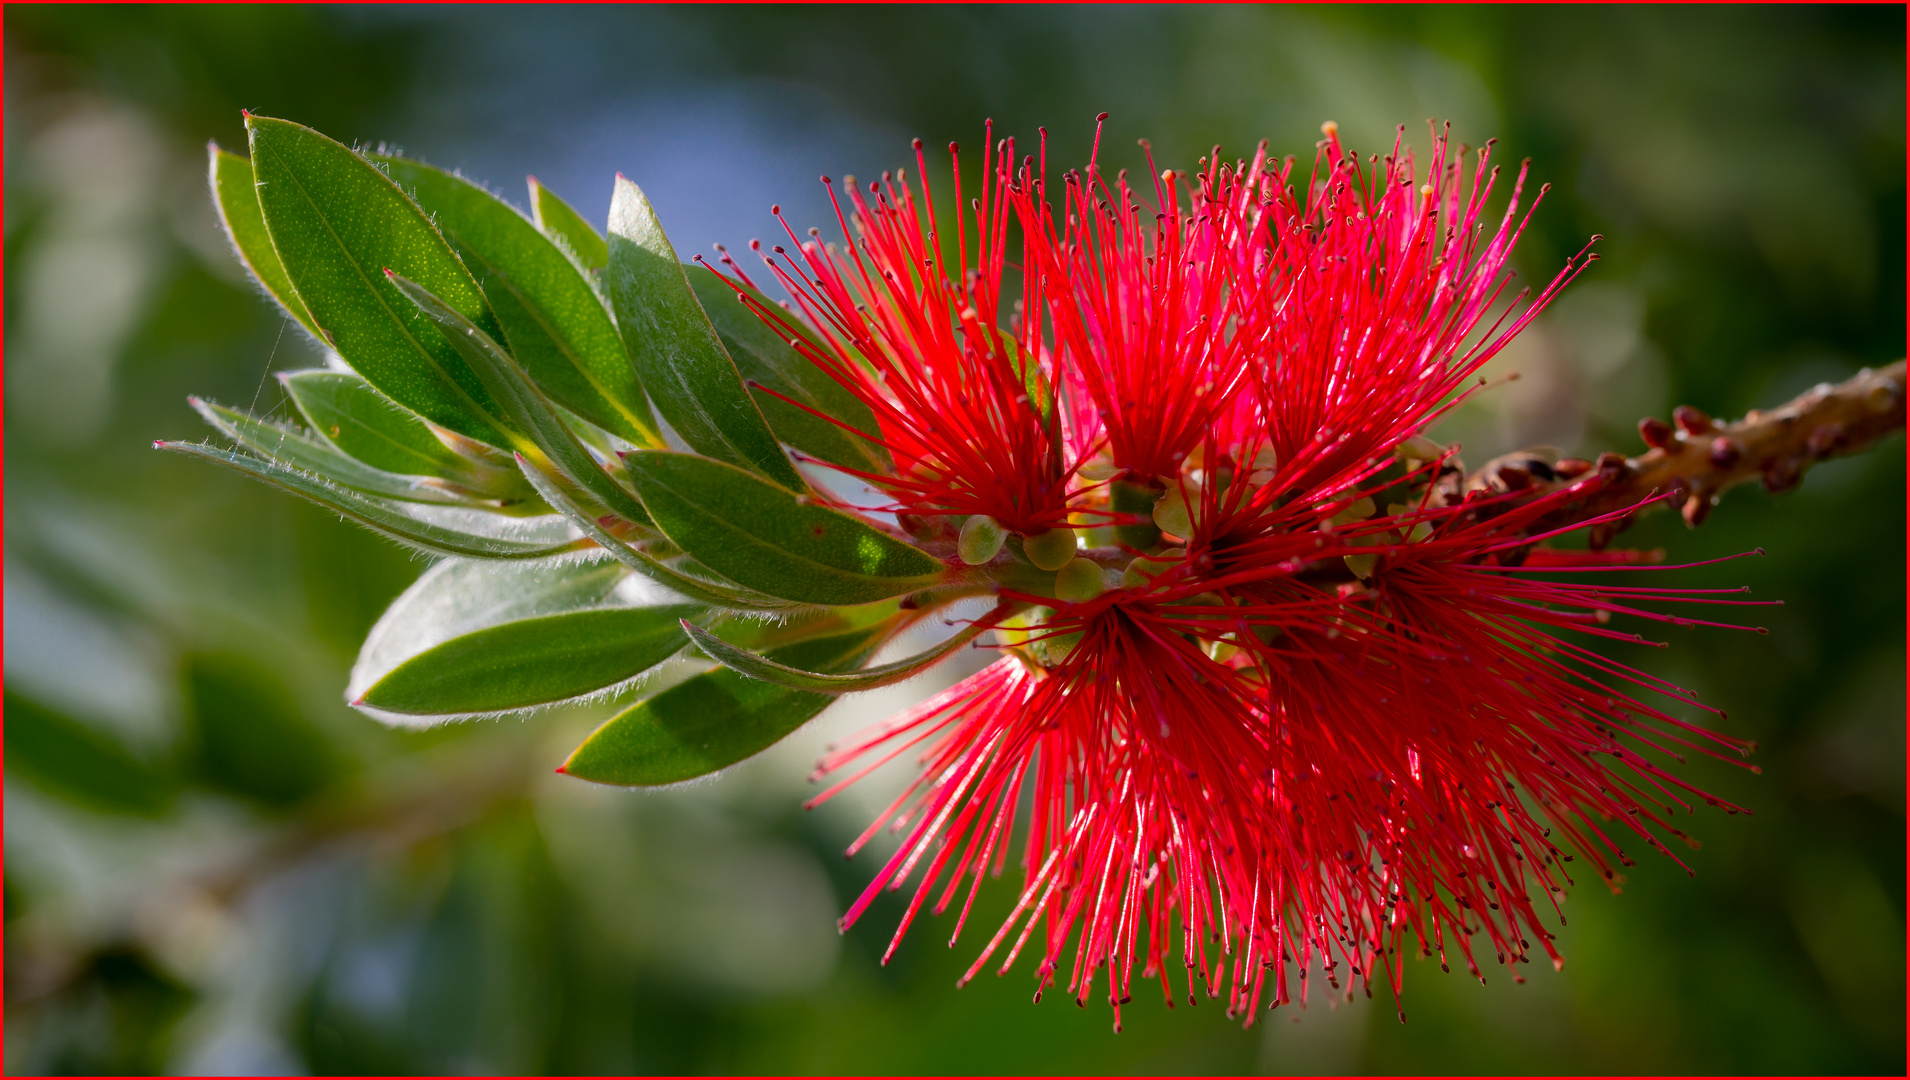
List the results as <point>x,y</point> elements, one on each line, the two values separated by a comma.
<point>1348,714</point>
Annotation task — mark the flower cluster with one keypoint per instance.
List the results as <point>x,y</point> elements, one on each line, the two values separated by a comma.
<point>1281,691</point>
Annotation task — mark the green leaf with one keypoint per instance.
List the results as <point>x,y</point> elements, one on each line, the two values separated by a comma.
<point>533,662</point>
<point>289,447</point>
<point>457,597</point>
<point>691,380</point>
<point>338,223</point>
<point>450,531</point>
<point>346,411</point>
<point>714,720</point>
<point>75,762</point>
<point>556,218</point>
<point>555,323</point>
<point>769,363</point>
<point>761,667</point>
<point>716,594</point>
<point>235,195</point>
<point>771,540</point>
<point>545,437</point>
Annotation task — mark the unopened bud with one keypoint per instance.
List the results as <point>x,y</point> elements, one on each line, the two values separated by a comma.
<point>1691,421</point>
<point>1725,451</point>
<point>1656,433</point>
<point>1050,550</point>
<point>981,539</point>
<point>1079,582</point>
<point>1825,440</point>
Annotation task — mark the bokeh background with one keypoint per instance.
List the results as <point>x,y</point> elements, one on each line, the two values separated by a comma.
<point>212,865</point>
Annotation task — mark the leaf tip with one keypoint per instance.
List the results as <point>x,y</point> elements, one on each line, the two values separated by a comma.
<point>564,768</point>
<point>358,703</point>
<point>159,444</point>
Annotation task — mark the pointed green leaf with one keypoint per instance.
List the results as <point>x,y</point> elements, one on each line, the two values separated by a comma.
<point>556,218</point>
<point>235,195</point>
<point>449,531</point>
<point>533,662</point>
<point>716,594</point>
<point>769,363</point>
<point>301,451</point>
<point>347,412</point>
<point>768,539</point>
<point>544,435</point>
<point>456,597</point>
<point>337,223</point>
<point>762,667</point>
<point>691,380</point>
<point>73,761</point>
<point>557,327</point>
<point>714,720</point>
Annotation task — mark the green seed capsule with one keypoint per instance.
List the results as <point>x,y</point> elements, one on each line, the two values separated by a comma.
<point>981,539</point>
<point>1172,515</point>
<point>1051,550</point>
<point>1144,569</point>
<point>1079,581</point>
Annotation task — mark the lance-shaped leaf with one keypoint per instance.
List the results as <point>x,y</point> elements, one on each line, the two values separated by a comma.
<point>347,412</point>
<point>691,380</point>
<point>555,323</point>
<point>822,682</point>
<point>541,434</point>
<point>531,662</point>
<point>477,534</point>
<point>235,193</point>
<point>456,597</point>
<point>716,594</point>
<point>714,720</point>
<point>289,447</point>
<point>337,222</point>
<point>766,538</point>
<point>779,375</point>
<point>557,218</point>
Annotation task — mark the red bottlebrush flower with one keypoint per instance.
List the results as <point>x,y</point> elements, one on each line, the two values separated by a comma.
<point>1301,730</point>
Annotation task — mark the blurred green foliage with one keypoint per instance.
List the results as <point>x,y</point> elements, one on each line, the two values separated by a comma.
<point>213,865</point>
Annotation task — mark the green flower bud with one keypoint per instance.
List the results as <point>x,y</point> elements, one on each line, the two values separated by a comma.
<point>1051,550</point>
<point>981,539</point>
<point>1144,569</point>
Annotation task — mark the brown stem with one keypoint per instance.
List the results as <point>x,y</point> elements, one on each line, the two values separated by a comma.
<point>1700,459</point>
